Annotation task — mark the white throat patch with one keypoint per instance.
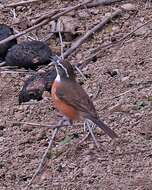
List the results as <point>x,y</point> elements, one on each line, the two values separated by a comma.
<point>58,78</point>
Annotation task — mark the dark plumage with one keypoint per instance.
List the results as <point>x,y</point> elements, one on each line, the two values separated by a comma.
<point>29,54</point>
<point>34,86</point>
<point>5,32</point>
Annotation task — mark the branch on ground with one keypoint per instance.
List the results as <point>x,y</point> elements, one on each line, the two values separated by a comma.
<point>21,3</point>
<point>44,22</point>
<point>91,32</point>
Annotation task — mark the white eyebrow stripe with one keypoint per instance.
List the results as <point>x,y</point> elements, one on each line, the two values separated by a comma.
<point>64,69</point>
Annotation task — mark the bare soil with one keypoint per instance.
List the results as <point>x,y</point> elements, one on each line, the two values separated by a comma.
<point>124,103</point>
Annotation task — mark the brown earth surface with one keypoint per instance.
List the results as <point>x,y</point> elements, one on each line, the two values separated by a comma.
<point>124,103</point>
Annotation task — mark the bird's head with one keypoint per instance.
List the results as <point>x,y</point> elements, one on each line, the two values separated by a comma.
<point>63,68</point>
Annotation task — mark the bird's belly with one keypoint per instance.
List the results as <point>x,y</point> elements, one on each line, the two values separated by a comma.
<point>65,109</point>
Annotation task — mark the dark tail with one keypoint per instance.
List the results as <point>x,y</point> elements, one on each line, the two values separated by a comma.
<point>104,127</point>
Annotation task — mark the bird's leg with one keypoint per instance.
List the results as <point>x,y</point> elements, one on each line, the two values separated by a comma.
<point>89,125</point>
<point>42,162</point>
<point>88,122</point>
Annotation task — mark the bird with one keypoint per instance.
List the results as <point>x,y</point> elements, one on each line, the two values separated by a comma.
<point>5,32</point>
<point>35,85</point>
<point>71,100</point>
<point>29,55</point>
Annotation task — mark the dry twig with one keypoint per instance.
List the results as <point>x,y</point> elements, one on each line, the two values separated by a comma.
<point>99,86</point>
<point>97,51</point>
<point>2,63</point>
<point>84,138</point>
<point>43,125</point>
<point>101,2</point>
<point>21,3</point>
<point>43,157</point>
<point>55,17</point>
<point>38,124</point>
<point>89,5</point>
<point>14,72</point>
<point>61,41</point>
<point>81,73</point>
<point>91,32</point>
<point>23,32</point>
<point>46,16</point>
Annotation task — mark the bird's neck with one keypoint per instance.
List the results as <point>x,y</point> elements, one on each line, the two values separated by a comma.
<point>58,78</point>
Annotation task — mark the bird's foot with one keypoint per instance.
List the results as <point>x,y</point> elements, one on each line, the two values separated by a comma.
<point>89,125</point>
<point>88,122</point>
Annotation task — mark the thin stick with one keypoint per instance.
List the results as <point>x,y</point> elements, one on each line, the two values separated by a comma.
<point>43,125</point>
<point>39,124</point>
<point>13,69</point>
<point>48,37</point>
<point>91,32</point>
<point>129,34</point>
<point>124,93</point>
<point>112,44</point>
<point>81,73</point>
<point>86,136</point>
<point>53,30</point>
<point>26,36</point>
<point>2,63</point>
<point>101,2</point>
<point>117,96</point>
<point>8,67</point>
<point>21,3</point>
<point>23,32</point>
<point>45,16</point>
<point>55,17</point>
<point>14,72</point>
<point>89,123</point>
<point>43,157</point>
<point>98,91</point>
<point>89,5</point>
<point>61,41</point>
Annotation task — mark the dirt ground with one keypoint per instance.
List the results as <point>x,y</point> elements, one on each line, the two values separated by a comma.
<point>124,103</point>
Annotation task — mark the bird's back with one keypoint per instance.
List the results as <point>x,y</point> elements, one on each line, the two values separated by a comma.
<point>71,93</point>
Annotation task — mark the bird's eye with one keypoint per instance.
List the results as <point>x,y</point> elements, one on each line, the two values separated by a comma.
<point>60,66</point>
